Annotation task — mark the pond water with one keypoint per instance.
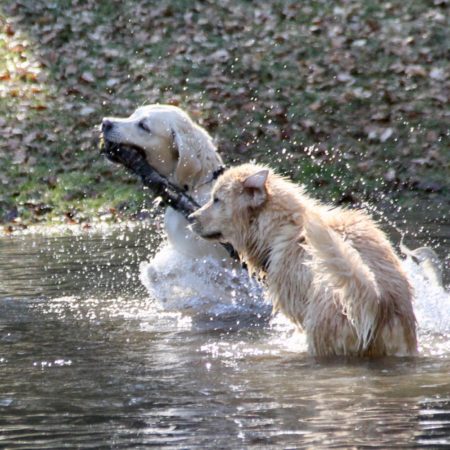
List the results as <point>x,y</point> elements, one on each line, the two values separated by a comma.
<point>89,360</point>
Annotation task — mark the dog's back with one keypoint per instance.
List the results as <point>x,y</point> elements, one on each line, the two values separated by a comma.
<point>353,257</point>
<point>331,271</point>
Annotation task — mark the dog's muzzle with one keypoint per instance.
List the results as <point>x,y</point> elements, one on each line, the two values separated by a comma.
<point>197,228</point>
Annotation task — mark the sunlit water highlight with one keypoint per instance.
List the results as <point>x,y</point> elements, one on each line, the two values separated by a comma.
<point>89,359</point>
<point>205,289</point>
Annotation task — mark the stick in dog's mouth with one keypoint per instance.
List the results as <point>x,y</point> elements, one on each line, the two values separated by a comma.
<point>126,155</point>
<point>112,150</point>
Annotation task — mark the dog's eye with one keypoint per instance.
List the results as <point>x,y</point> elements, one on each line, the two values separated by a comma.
<point>143,126</point>
<point>216,200</point>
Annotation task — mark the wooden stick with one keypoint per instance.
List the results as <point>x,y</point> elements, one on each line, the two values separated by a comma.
<point>172,195</point>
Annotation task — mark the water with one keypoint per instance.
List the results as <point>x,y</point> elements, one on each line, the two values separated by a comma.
<point>89,360</point>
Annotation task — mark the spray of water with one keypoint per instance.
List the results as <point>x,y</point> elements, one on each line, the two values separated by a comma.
<point>432,308</point>
<point>203,288</point>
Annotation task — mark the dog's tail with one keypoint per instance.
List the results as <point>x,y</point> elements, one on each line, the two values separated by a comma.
<point>341,267</point>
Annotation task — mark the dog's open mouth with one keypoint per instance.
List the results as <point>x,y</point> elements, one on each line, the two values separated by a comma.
<point>114,150</point>
<point>213,236</point>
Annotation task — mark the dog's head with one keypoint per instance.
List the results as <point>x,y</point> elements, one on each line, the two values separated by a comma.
<point>238,195</point>
<point>173,144</point>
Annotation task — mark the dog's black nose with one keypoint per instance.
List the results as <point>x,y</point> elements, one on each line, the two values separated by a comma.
<point>106,125</point>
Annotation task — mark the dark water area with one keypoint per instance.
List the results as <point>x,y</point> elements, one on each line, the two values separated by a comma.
<point>89,360</point>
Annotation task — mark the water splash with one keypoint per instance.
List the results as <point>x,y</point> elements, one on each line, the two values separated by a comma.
<point>201,287</point>
<point>206,289</point>
<point>432,309</point>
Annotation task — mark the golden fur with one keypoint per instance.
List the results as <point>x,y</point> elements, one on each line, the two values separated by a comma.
<point>180,150</point>
<point>331,271</point>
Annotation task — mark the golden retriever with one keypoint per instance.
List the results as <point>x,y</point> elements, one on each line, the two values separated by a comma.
<point>180,150</point>
<point>331,271</point>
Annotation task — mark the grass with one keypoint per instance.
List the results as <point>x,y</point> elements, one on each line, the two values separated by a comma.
<point>350,98</point>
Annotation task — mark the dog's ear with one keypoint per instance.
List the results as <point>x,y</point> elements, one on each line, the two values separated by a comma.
<point>255,187</point>
<point>189,164</point>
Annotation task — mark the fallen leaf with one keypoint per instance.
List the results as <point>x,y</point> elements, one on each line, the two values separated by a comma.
<point>5,76</point>
<point>20,156</point>
<point>420,161</point>
<point>359,43</point>
<point>386,134</point>
<point>221,55</point>
<point>438,74</point>
<point>39,107</point>
<point>429,186</point>
<point>344,77</point>
<point>112,82</point>
<point>415,70</point>
<point>381,116</point>
<point>30,138</point>
<point>9,30</point>
<point>87,77</point>
<point>86,111</point>
<point>390,175</point>
<point>315,106</point>
<point>71,69</point>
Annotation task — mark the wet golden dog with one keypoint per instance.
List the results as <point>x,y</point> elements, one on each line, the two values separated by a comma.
<point>182,151</point>
<point>331,271</point>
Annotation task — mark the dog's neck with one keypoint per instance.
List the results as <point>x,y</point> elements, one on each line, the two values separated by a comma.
<point>275,227</point>
<point>211,178</point>
<point>201,190</point>
<point>261,248</point>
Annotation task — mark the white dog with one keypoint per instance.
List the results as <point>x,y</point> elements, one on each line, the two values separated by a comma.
<point>185,153</point>
<point>180,150</point>
<point>331,271</point>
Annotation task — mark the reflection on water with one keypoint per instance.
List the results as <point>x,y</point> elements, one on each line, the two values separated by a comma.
<point>90,264</point>
<point>87,360</point>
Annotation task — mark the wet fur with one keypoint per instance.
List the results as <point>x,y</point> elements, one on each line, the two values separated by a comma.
<point>331,271</point>
<point>182,151</point>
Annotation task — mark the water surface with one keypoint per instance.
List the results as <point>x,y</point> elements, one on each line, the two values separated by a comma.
<point>89,360</point>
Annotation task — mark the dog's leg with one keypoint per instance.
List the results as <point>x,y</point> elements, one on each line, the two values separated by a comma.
<point>338,265</point>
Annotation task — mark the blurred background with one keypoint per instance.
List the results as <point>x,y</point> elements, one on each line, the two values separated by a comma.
<point>349,97</point>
